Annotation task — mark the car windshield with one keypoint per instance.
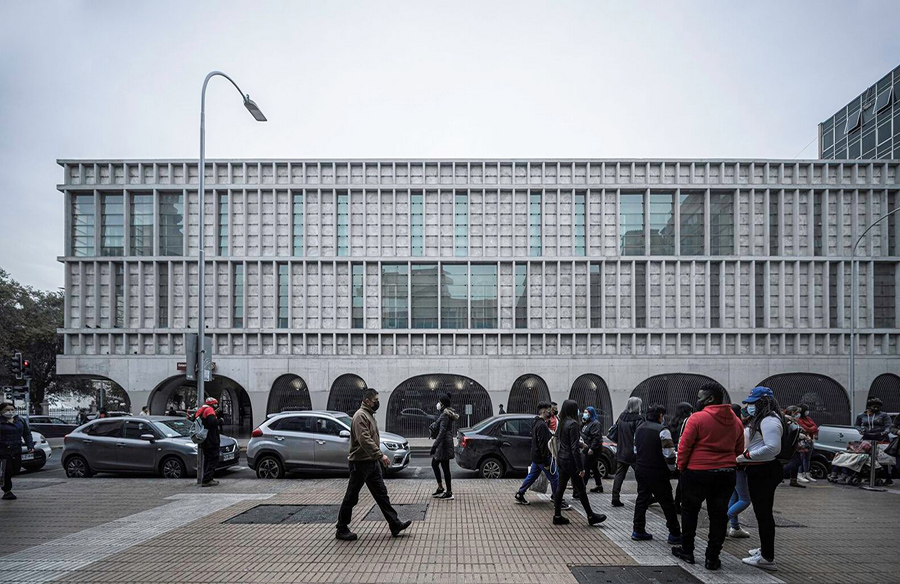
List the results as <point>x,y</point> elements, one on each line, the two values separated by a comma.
<point>175,428</point>
<point>345,420</point>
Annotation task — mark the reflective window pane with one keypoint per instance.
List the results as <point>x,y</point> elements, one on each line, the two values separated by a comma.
<point>171,224</point>
<point>662,224</point>
<point>454,297</point>
<point>283,288</point>
<point>141,224</point>
<point>691,208</point>
<point>631,224</point>
<point>721,224</point>
<point>521,297</point>
<point>358,296</point>
<point>394,296</point>
<point>424,295</point>
<point>82,225</point>
<point>238,290</point>
<point>112,222</point>
<point>484,296</point>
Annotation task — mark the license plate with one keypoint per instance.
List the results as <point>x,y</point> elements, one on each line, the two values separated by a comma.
<point>28,456</point>
<point>228,456</point>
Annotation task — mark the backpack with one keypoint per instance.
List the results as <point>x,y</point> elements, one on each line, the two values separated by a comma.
<point>199,432</point>
<point>553,446</point>
<point>790,437</point>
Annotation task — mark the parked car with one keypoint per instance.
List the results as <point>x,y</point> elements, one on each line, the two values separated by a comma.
<point>416,421</point>
<point>155,444</point>
<point>50,426</point>
<point>36,460</point>
<point>312,440</point>
<point>96,415</point>
<point>500,444</point>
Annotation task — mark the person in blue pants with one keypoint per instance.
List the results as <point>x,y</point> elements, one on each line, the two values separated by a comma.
<point>740,499</point>
<point>541,461</point>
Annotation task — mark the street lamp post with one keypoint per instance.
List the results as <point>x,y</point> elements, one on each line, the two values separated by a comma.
<point>201,260</point>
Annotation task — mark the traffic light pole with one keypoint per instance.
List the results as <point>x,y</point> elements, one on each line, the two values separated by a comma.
<point>28,401</point>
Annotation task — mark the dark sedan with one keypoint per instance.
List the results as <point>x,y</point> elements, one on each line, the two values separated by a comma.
<point>500,444</point>
<point>50,426</point>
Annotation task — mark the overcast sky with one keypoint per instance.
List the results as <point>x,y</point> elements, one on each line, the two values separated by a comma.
<point>409,80</point>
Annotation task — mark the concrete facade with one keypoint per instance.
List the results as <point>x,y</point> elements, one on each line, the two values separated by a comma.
<point>626,269</point>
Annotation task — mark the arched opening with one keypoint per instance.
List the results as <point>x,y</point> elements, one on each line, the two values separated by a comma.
<point>88,393</point>
<point>527,391</point>
<point>671,389</point>
<point>289,392</point>
<point>180,395</point>
<point>827,399</point>
<point>886,387</point>
<point>591,390</point>
<point>411,408</point>
<point>346,393</point>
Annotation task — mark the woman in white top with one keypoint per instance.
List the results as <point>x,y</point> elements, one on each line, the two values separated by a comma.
<point>762,436</point>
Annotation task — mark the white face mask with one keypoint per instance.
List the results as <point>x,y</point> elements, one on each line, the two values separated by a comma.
<point>9,415</point>
<point>439,406</point>
<point>751,409</point>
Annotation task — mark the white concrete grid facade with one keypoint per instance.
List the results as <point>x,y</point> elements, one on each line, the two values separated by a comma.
<point>736,270</point>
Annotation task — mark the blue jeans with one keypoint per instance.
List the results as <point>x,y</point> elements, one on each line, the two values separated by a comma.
<point>533,474</point>
<point>805,458</point>
<point>740,499</point>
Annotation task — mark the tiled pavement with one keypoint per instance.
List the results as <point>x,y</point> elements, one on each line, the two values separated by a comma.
<point>151,530</point>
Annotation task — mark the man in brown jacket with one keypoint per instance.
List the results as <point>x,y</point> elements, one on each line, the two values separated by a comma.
<point>366,464</point>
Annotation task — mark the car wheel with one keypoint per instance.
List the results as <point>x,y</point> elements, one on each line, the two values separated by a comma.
<point>818,470</point>
<point>269,467</point>
<point>491,468</point>
<point>77,468</point>
<point>172,468</point>
<point>603,465</point>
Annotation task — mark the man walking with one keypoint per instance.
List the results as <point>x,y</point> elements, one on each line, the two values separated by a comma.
<point>626,425</point>
<point>707,452</point>
<point>366,463</point>
<point>654,448</point>
<point>540,455</point>
<point>210,447</point>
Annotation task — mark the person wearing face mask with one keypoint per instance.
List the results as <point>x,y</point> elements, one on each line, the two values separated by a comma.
<point>810,428</point>
<point>592,435</point>
<point>711,440</point>
<point>654,451</point>
<point>571,465</point>
<point>740,499</point>
<point>13,431</point>
<point>442,449</point>
<point>873,424</point>
<point>541,461</point>
<point>208,415</point>
<point>553,422</point>
<point>366,468</point>
<point>792,416</point>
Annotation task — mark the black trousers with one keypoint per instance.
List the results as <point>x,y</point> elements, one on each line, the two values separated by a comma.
<point>793,467</point>
<point>621,471</point>
<point>654,485</point>
<point>436,466</point>
<point>714,487</point>
<point>12,462</point>
<point>369,473</point>
<point>592,468</point>
<point>210,462</point>
<point>762,480</point>
<point>568,470</point>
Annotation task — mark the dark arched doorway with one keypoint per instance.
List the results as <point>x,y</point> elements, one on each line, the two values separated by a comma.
<point>289,392</point>
<point>176,393</point>
<point>527,391</point>
<point>346,393</point>
<point>827,399</point>
<point>91,394</point>
<point>591,390</point>
<point>411,408</point>
<point>671,389</point>
<point>886,387</point>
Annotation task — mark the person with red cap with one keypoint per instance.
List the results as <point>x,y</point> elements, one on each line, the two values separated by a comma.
<point>210,447</point>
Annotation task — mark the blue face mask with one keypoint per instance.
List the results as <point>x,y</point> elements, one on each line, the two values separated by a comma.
<point>585,417</point>
<point>751,410</point>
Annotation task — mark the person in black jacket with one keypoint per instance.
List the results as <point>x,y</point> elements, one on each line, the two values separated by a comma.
<point>540,455</point>
<point>683,411</point>
<point>654,456</point>
<point>210,447</point>
<point>592,434</point>
<point>442,449</point>
<point>571,465</point>
<point>626,425</point>
<point>13,431</point>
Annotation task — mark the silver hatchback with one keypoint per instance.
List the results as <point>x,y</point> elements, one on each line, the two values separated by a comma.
<point>312,440</point>
<point>155,444</point>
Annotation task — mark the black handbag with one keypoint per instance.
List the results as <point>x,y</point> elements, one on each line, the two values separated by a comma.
<point>613,432</point>
<point>893,449</point>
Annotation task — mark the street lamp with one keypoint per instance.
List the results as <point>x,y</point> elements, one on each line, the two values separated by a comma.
<point>201,267</point>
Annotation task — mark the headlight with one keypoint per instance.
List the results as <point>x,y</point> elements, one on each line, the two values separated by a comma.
<point>391,445</point>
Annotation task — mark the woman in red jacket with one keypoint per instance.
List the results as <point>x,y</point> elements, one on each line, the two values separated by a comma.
<point>810,428</point>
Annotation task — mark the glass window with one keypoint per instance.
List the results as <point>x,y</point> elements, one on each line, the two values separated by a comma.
<point>521,297</point>
<point>691,208</point>
<point>119,295</point>
<point>580,230</point>
<point>534,224</point>
<point>343,224</point>
<point>105,429</point>
<point>484,296</point>
<point>853,121</point>
<point>596,296</point>
<point>238,289</point>
<point>760,294</point>
<point>328,426</point>
<point>223,224</point>
<point>662,224</point>
<point>885,295</point>
<point>112,221</point>
<point>640,295</point>
<point>454,297</point>
<point>283,288</point>
<point>817,222</point>
<point>293,424</point>
<point>163,296</point>
<point>424,295</point>
<point>171,224</point>
<point>417,223</point>
<point>358,296</point>
<point>142,225</point>
<point>461,224</point>
<point>174,428</point>
<point>631,223</point>
<point>721,224</point>
<point>833,294</point>
<point>82,225</point>
<point>715,271</point>
<point>884,99</point>
<point>394,296</point>
<point>774,221</point>
<point>134,430</point>
<point>298,223</point>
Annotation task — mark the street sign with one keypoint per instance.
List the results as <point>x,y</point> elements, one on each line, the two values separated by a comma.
<point>469,409</point>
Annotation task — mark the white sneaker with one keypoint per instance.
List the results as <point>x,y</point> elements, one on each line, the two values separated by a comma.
<point>755,552</point>
<point>810,478</point>
<point>737,533</point>
<point>802,478</point>
<point>761,563</point>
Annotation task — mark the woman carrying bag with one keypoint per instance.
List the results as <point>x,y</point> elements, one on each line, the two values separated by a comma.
<point>442,449</point>
<point>13,431</point>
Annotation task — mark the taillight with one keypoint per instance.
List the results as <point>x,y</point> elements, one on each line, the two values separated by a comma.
<point>257,433</point>
<point>463,442</point>
<point>65,438</point>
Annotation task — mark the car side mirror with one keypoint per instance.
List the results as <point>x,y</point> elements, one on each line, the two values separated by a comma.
<point>148,437</point>
<point>344,434</point>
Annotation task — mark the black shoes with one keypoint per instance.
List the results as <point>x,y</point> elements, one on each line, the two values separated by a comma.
<point>597,489</point>
<point>396,529</point>
<point>596,519</point>
<point>8,496</point>
<point>437,493</point>
<point>446,495</point>
<point>641,536</point>
<point>560,520</point>
<point>345,535</point>
<point>617,503</point>
<point>683,555</point>
<point>713,563</point>
<point>521,500</point>
<point>794,483</point>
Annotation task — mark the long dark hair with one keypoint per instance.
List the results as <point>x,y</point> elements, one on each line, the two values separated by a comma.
<point>682,412</point>
<point>569,410</point>
<point>765,406</point>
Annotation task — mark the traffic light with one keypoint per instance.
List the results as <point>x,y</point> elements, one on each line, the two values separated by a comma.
<point>16,366</point>
<point>26,369</point>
